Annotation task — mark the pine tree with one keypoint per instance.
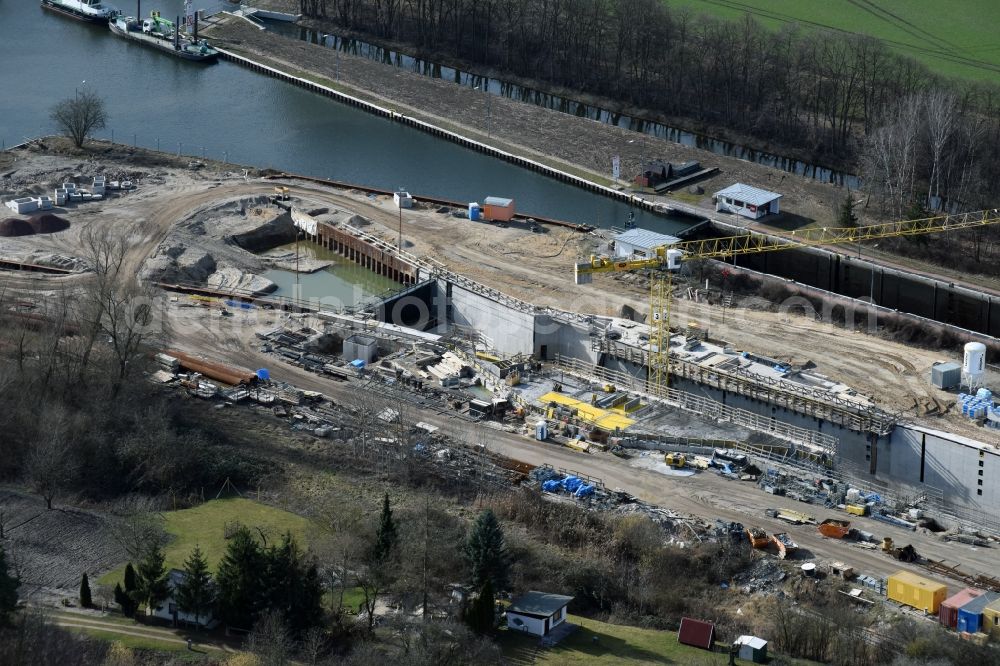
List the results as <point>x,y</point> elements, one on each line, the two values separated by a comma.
<point>481,615</point>
<point>386,534</point>
<point>124,596</point>
<point>85,598</point>
<point>130,582</point>
<point>8,589</point>
<point>240,580</point>
<point>307,611</point>
<point>196,593</point>
<point>151,586</point>
<point>847,219</point>
<point>487,553</point>
<point>292,586</point>
<point>123,600</point>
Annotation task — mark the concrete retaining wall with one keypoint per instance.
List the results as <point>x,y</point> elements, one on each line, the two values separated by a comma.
<point>443,133</point>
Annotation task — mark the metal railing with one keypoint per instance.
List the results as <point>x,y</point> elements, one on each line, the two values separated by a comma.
<point>819,442</point>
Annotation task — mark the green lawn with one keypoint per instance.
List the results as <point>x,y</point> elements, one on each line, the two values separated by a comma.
<point>353,597</point>
<point>956,38</point>
<point>205,525</point>
<point>614,644</point>
<point>178,651</point>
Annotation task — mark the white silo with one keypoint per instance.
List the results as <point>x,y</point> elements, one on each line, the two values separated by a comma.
<point>974,364</point>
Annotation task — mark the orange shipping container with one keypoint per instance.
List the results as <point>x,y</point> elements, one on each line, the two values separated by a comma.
<point>498,209</point>
<point>835,529</point>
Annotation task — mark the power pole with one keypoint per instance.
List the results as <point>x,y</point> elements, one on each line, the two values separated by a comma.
<point>399,205</point>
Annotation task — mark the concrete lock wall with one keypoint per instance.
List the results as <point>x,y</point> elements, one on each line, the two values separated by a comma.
<point>894,289</point>
<point>509,331</point>
<point>922,459</point>
<point>415,307</point>
<point>568,339</point>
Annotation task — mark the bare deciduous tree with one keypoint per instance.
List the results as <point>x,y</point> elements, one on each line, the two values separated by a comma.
<point>49,465</point>
<point>115,303</point>
<point>77,117</point>
<point>137,525</point>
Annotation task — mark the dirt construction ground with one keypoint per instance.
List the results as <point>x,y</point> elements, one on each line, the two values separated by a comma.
<point>536,267</point>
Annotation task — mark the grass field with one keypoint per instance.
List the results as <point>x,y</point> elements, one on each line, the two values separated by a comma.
<point>955,38</point>
<point>614,644</point>
<point>205,526</point>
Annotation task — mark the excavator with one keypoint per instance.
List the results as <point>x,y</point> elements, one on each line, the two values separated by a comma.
<point>158,26</point>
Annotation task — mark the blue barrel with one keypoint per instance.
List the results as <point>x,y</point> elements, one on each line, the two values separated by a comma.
<point>474,212</point>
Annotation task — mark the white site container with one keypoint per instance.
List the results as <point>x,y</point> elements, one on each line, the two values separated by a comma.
<point>23,205</point>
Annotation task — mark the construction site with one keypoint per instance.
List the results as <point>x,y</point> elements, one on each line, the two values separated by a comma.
<point>532,352</point>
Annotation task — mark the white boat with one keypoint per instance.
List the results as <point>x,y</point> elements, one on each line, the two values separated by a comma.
<point>83,10</point>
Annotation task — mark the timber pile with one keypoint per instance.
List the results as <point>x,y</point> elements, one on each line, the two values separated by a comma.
<point>220,372</point>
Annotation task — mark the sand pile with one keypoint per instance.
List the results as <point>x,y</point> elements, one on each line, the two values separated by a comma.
<point>47,223</point>
<point>14,226</point>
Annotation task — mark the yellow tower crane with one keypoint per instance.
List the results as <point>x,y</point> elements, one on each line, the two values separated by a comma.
<point>667,259</point>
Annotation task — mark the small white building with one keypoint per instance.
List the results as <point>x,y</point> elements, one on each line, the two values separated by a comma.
<point>641,243</point>
<point>23,205</point>
<point>752,648</point>
<point>747,201</point>
<point>402,199</point>
<point>537,613</point>
<point>168,609</point>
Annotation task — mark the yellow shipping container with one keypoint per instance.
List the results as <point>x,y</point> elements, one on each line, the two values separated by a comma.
<point>917,592</point>
<point>857,509</point>
<point>991,618</point>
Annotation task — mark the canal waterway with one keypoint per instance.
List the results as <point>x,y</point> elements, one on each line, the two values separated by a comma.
<point>343,284</point>
<point>224,111</point>
<point>574,107</point>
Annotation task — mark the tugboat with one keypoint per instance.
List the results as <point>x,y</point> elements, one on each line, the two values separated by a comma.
<point>159,33</point>
<point>82,10</point>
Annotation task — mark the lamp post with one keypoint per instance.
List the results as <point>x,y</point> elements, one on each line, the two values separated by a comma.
<point>399,205</point>
<point>485,88</point>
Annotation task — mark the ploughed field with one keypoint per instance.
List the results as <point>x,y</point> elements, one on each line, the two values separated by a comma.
<point>52,549</point>
<point>951,38</point>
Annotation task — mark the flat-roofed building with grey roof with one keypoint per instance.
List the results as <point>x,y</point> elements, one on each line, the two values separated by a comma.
<point>641,243</point>
<point>537,613</point>
<point>747,201</point>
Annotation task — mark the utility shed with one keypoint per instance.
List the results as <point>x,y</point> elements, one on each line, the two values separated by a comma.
<point>916,591</point>
<point>747,201</point>
<point>752,648</point>
<point>641,243</point>
<point>697,633</point>
<point>948,615</point>
<point>970,616</point>
<point>498,208</point>
<point>991,617</point>
<point>537,613</point>
<point>946,375</point>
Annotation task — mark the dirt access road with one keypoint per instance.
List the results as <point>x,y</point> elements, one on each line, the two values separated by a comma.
<point>96,621</point>
<point>538,268</point>
<point>705,495</point>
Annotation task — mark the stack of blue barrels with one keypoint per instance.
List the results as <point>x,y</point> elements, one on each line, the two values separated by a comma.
<point>976,405</point>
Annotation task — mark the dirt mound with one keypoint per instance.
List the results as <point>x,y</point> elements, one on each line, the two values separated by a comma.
<point>15,226</point>
<point>47,223</point>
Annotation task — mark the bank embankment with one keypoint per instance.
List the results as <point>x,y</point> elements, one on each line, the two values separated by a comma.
<point>578,146</point>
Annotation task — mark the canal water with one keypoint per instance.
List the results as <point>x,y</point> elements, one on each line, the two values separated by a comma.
<point>229,112</point>
<point>344,284</point>
<point>566,105</point>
